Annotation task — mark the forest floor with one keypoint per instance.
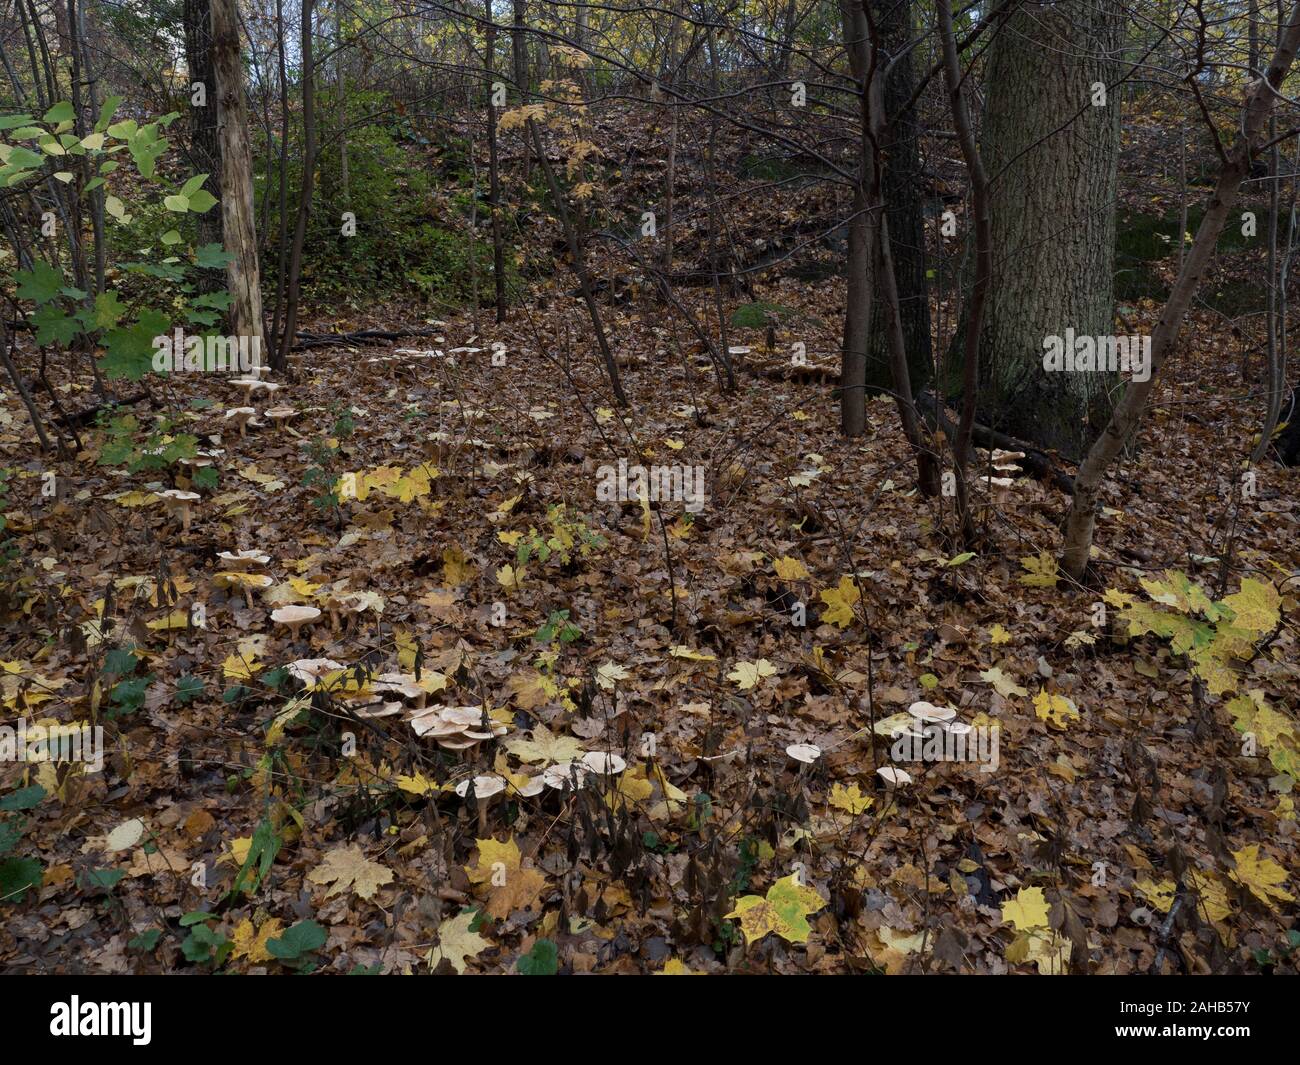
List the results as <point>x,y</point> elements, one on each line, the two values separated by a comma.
<point>1120,795</point>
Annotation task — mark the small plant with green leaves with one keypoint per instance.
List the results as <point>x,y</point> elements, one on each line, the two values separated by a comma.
<point>567,536</point>
<point>34,151</point>
<point>127,691</point>
<point>143,448</point>
<point>323,462</point>
<point>18,875</point>
<point>558,627</point>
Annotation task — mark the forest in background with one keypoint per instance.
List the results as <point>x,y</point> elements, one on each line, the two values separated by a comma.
<point>767,486</point>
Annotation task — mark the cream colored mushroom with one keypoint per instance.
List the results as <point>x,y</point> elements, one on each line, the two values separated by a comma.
<point>244,581</point>
<point>894,776</point>
<point>294,617</point>
<point>606,763</point>
<point>565,775</point>
<point>280,415</point>
<point>310,670</point>
<point>244,561</point>
<point>484,788</point>
<point>804,752</point>
<point>240,417</point>
<point>928,712</point>
<point>178,502</point>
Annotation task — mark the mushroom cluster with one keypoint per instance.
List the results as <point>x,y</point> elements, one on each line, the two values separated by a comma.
<point>456,728</point>
<point>1004,462</point>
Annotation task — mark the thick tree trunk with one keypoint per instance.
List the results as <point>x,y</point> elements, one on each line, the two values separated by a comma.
<point>236,185</point>
<point>902,184</point>
<point>1082,517</point>
<point>1052,157</point>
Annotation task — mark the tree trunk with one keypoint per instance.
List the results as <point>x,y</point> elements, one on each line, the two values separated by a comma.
<point>1082,517</point>
<point>902,185</point>
<point>494,173</point>
<point>293,284</point>
<point>1052,158</point>
<point>205,147</point>
<point>236,153</point>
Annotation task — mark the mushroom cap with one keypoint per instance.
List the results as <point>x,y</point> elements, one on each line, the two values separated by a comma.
<point>999,482</point>
<point>242,579</point>
<point>606,763</point>
<point>178,496</point>
<point>804,752</point>
<point>924,711</point>
<point>464,716</point>
<point>244,560</point>
<point>484,787</point>
<point>240,412</point>
<point>294,615</point>
<point>376,708</point>
<point>895,776</point>
<point>533,786</point>
<point>310,670</point>
<point>563,774</point>
<point>279,413</point>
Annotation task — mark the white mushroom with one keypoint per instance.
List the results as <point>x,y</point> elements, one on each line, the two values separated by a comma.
<point>565,775</point>
<point>894,776</point>
<point>240,417</point>
<point>294,617</point>
<point>924,711</point>
<point>310,670</point>
<point>484,788</point>
<point>178,502</point>
<point>244,560</point>
<point>804,752</point>
<point>606,763</point>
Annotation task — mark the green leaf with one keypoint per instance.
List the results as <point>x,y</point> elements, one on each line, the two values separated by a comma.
<point>193,185</point>
<point>108,310</point>
<point>188,688</point>
<point>53,326</point>
<point>172,236</point>
<point>11,831</point>
<point>129,351</point>
<point>106,110</point>
<point>23,799</point>
<point>212,257</point>
<point>145,941</point>
<point>106,879</point>
<point>542,960</point>
<point>24,157</point>
<point>179,204</point>
<point>41,283</point>
<point>60,112</point>
<point>301,939</point>
<point>202,201</point>
<point>12,121</point>
<point>17,875</point>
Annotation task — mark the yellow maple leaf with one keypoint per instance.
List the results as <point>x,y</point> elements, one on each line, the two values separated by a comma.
<point>499,873</point>
<point>1039,572</point>
<point>998,635</point>
<point>850,798</point>
<point>790,569</point>
<point>748,674</point>
<point>347,866</point>
<point>1256,607</point>
<point>455,569</point>
<point>839,603</point>
<point>1263,876</point>
<point>250,943</point>
<point>1027,910</point>
<point>784,910</point>
<point>1056,710</point>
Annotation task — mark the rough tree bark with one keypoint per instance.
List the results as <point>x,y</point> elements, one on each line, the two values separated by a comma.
<point>1261,93</point>
<point>1052,158</point>
<point>236,186</point>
